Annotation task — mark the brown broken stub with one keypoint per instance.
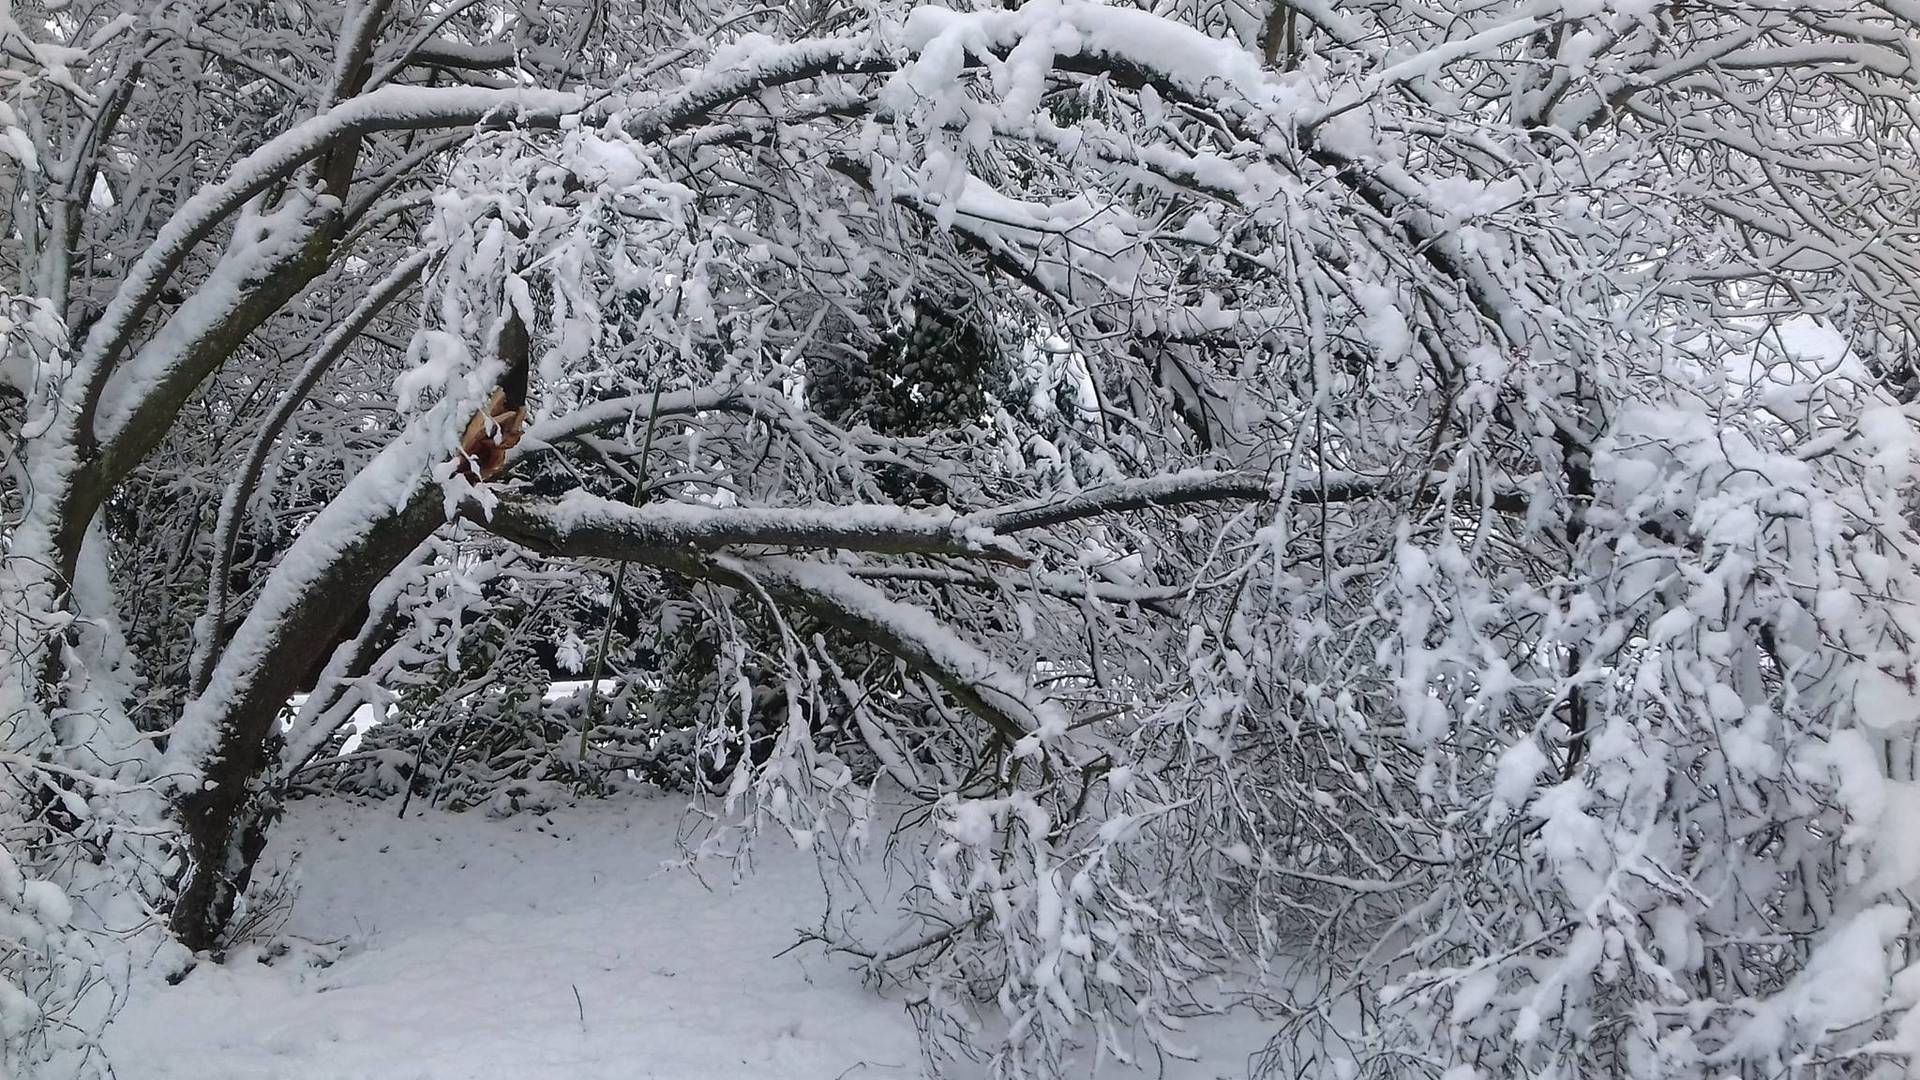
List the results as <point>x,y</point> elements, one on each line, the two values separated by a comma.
<point>493,431</point>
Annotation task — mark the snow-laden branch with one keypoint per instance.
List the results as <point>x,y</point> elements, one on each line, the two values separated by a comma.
<point>990,690</point>
<point>381,515</point>
<point>679,538</point>
<point>1005,701</point>
<point>762,69</point>
<point>1080,35</point>
<point>271,260</point>
<point>353,672</point>
<point>233,503</point>
<point>548,431</point>
<point>1425,63</point>
<point>1199,486</point>
<point>386,109</point>
<point>1175,489</point>
<point>583,525</point>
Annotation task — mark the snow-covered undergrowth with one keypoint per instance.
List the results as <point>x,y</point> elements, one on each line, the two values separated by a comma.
<point>464,940</point>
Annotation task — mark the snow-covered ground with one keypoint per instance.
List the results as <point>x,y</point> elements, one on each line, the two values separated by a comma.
<point>539,946</point>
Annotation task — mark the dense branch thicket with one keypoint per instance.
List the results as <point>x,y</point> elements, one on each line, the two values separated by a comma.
<point>1404,507</point>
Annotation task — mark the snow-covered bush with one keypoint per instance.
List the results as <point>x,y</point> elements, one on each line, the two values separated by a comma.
<point>56,994</point>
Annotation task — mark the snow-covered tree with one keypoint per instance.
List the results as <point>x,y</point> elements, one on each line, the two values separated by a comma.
<point>1402,506</point>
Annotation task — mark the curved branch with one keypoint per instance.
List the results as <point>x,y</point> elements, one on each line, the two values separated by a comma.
<point>995,694</point>
<point>386,109</point>
<point>1002,699</point>
<point>210,637</point>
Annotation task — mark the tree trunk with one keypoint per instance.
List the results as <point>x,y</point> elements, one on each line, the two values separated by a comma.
<point>226,816</point>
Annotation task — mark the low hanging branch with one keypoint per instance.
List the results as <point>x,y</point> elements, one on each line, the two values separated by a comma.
<point>581,525</point>
<point>1004,700</point>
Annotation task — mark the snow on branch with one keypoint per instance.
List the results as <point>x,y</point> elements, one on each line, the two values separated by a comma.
<point>382,514</point>
<point>579,524</point>
<point>1195,486</point>
<point>988,689</point>
<point>677,537</point>
<point>386,109</point>
<point>763,68</point>
<point>1182,57</point>
<point>233,502</point>
<point>1191,486</point>
<point>610,412</point>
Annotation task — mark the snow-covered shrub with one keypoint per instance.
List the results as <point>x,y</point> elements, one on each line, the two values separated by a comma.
<point>55,990</point>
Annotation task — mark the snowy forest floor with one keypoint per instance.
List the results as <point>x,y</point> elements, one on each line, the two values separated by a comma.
<point>541,946</point>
